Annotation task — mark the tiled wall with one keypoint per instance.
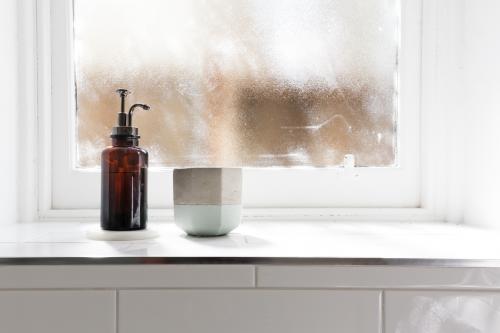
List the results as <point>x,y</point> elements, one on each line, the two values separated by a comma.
<point>245,298</point>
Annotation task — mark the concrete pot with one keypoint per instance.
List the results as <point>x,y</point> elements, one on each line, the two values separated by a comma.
<point>207,201</point>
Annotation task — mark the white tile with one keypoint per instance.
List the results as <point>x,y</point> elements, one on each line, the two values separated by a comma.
<point>248,311</point>
<point>442,312</point>
<point>377,277</point>
<point>57,311</point>
<point>126,276</point>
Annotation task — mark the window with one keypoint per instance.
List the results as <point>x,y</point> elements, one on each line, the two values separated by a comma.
<point>367,99</point>
<point>248,83</point>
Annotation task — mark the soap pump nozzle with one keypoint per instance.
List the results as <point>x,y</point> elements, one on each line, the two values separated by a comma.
<point>131,110</point>
<point>124,127</point>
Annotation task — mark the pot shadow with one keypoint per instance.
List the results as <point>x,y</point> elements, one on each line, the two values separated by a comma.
<point>231,240</point>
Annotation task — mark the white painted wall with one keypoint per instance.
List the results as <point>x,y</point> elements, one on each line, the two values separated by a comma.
<point>443,106</point>
<point>482,131</point>
<point>9,109</point>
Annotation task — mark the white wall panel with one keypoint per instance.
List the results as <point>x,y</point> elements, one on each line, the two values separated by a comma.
<point>442,312</point>
<point>248,311</point>
<point>273,276</point>
<point>57,311</point>
<point>127,276</point>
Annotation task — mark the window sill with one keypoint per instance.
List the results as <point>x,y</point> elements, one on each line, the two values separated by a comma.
<point>261,242</point>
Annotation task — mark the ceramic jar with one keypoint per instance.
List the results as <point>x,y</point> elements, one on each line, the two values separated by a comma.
<point>207,201</point>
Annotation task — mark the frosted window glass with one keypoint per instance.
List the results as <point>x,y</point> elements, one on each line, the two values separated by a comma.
<point>241,83</point>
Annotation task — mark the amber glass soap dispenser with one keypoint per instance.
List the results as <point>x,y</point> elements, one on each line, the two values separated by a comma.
<point>124,202</point>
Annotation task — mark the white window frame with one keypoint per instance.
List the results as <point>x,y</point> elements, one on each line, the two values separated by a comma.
<point>416,188</point>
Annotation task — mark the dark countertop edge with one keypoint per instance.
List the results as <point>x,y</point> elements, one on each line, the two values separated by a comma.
<point>288,261</point>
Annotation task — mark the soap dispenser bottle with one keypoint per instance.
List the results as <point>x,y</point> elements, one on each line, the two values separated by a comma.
<point>124,204</point>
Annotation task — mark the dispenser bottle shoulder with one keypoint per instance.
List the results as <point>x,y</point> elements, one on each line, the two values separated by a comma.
<point>117,149</point>
<point>116,159</point>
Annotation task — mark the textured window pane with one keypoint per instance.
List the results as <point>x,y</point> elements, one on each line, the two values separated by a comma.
<point>241,83</point>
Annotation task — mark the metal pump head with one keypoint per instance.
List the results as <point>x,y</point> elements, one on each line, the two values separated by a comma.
<point>124,127</point>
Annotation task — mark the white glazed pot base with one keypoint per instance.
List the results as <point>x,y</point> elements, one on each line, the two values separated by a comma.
<point>97,233</point>
<point>207,220</point>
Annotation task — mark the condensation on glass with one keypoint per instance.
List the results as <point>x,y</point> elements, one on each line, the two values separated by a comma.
<point>258,83</point>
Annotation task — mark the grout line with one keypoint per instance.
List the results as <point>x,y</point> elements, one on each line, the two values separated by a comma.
<point>382,312</point>
<point>117,294</point>
<point>353,288</point>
